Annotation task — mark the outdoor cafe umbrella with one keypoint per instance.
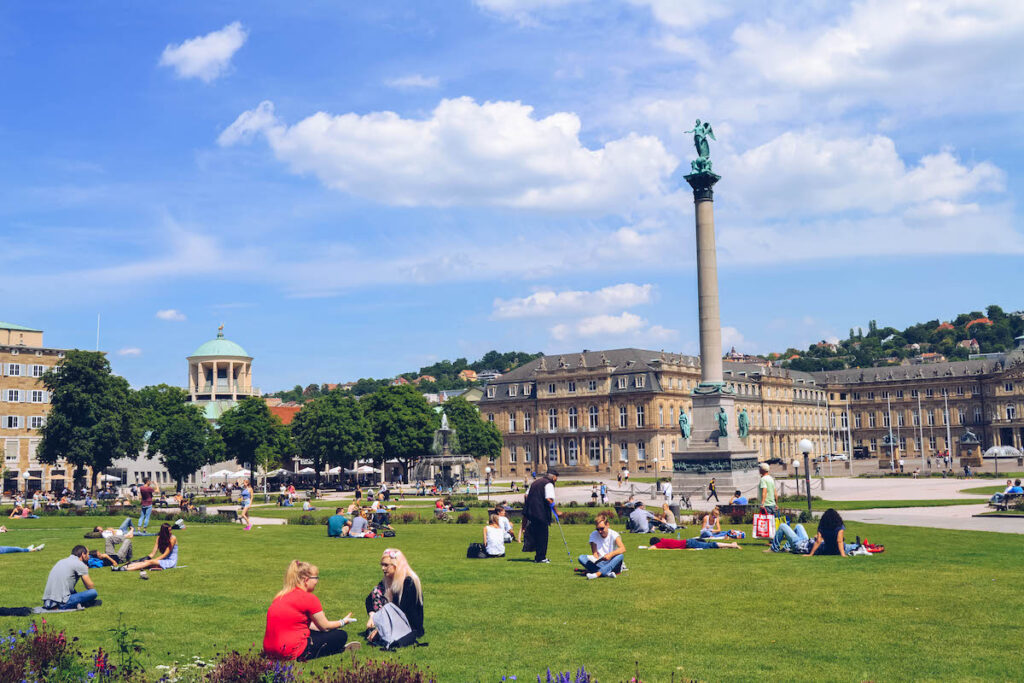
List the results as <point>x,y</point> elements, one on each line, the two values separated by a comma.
<point>306,470</point>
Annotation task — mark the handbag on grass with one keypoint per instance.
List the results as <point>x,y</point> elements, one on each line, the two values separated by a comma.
<point>476,551</point>
<point>764,524</point>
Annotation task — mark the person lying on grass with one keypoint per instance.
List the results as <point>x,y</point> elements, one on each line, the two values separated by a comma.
<point>395,605</point>
<point>163,556</point>
<point>297,627</point>
<point>17,549</point>
<point>686,544</point>
<point>607,551</point>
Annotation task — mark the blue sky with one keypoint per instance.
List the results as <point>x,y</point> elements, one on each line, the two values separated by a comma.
<point>358,189</point>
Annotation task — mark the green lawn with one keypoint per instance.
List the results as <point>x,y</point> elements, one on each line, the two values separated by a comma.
<point>937,605</point>
<point>985,490</point>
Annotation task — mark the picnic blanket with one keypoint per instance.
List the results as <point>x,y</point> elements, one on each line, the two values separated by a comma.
<point>28,611</point>
<point>43,610</point>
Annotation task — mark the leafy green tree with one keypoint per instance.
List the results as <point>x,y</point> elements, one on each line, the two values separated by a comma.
<point>177,430</point>
<point>333,430</point>
<point>477,436</point>
<point>93,418</point>
<point>252,435</point>
<point>403,424</point>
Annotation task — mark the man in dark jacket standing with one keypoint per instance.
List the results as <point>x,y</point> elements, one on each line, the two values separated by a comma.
<point>540,501</point>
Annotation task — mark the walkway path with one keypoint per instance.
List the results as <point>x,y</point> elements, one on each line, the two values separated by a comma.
<point>950,517</point>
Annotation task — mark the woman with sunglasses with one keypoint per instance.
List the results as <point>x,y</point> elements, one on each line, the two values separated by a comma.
<point>296,625</point>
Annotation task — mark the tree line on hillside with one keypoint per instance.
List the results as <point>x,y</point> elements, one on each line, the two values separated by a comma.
<point>445,374</point>
<point>95,418</point>
<point>994,330</point>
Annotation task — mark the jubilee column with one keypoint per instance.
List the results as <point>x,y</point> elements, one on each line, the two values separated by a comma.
<point>715,436</point>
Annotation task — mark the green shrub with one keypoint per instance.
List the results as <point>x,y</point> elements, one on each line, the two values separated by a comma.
<point>311,520</point>
<point>464,518</point>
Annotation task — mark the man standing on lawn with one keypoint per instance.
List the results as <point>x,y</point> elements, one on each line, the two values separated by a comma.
<point>766,489</point>
<point>540,501</point>
<point>146,501</point>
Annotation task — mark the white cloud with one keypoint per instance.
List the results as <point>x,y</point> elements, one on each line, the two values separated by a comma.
<point>205,57</point>
<point>130,352</point>
<point>686,14</point>
<point>170,314</point>
<point>733,337</point>
<point>807,173</point>
<point>495,154</point>
<point>413,81</point>
<point>625,326</point>
<point>549,302</point>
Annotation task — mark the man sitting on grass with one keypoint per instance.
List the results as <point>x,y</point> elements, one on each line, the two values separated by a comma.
<point>738,498</point>
<point>640,520</point>
<point>687,544</point>
<point>337,525</point>
<point>606,551</point>
<point>60,584</point>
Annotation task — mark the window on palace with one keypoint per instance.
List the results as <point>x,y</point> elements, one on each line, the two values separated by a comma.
<point>551,388</point>
<point>512,454</point>
<point>873,445</point>
<point>527,389</point>
<point>977,415</point>
<point>899,393</point>
<point>572,451</point>
<point>885,420</point>
<point>903,443</point>
<point>592,412</point>
<point>872,420</point>
<point>914,393</point>
<point>552,450</point>
<point>932,443</point>
<point>623,418</point>
<point>640,416</point>
<point>871,394</point>
<point>570,387</point>
<point>527,422</point>
<point>856,396</point>
<point>36,422</point>
<point>885,394</point>
<point>931,418</point>
<point>641,450</point>
<point>900,419</point>
<point>490,392</point>
<point>929,393</point>
<point>915,418</point>
<point>661,416</point>
<point>511,422</point>
<point>945,391</point>
<point>623,451</point>
<point>917,443</point>
<point>13,395</point>
<point>623,382</point>
<point>1008,386</point>
<point>639,381</point>
<point>527,453</point>
<point>594,450</point>
<point>552,419</point>
<point>490,417</point>
<point>513,389</point>
<point>1011,411</point>
<point>945,417</point>
<point>592,385</point>
<point>959,390</point>
<point>857,420</point>
<point>13,370</point>
<point>37,370</point>
<point>573,418</point>
<point>12,422</point>
<point>961,416</point>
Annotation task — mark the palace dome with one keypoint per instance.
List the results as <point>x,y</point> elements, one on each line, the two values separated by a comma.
<point>220,347</point>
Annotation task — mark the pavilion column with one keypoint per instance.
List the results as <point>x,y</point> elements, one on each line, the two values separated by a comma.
<point>231,380</point>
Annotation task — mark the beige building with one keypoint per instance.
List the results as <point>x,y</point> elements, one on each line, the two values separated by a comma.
<point>219,373</point>
<point>606,411</point>
<point>24,404</point>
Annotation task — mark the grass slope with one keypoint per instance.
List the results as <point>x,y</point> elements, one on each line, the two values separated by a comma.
<point>937,605</point>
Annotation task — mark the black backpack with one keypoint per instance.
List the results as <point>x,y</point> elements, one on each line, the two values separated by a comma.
<point>476,551</point>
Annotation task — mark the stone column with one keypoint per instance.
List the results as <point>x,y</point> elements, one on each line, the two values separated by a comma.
<point>707,278</point>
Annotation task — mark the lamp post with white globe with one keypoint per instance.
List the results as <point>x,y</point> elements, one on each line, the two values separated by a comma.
<point>806,447</point>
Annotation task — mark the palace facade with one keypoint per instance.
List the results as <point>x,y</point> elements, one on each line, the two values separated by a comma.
<point>605,411</point>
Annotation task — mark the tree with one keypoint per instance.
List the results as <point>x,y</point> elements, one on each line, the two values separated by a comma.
<point>178,431</point>
<point>333,430</point>
<point>252,435</point>
<point>93,418</point>
<point>477,437</point>
<point>403,424</point>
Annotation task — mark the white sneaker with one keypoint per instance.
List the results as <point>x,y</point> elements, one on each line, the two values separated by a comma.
<point>31,548</point>
<point>144,575</point>
<point>611,575</point>
<point>593,575</point>
<point>40,546</point>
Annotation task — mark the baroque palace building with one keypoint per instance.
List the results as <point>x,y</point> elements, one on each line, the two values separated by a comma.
<point>606,411</point>
<point>24,403</point>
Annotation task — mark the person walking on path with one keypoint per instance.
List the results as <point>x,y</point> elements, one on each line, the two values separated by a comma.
<point>146,499</point>
<point>604,493</point>
<point>766,489</point>
<point>540,501</point>
<point>713,490</point>
<point>243,513</point>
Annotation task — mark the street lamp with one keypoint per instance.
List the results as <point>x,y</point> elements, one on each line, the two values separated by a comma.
<point>487,471</point>
<point>806,447</point>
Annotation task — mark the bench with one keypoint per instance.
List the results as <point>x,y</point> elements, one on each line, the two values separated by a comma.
<point>1008,500</point>
<point>230,513</point>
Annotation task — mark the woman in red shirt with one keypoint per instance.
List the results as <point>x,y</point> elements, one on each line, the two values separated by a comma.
<point>296,625</point>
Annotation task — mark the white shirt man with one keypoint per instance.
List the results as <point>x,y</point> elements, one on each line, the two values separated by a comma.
<point>607,551</point>
<point>667,490</point>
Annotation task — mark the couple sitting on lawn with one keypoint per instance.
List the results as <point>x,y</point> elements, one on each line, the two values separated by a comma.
<point>828,541</point>
<point>339,526</point>
<point>298,629</point>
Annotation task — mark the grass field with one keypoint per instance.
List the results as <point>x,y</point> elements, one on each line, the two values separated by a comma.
<point>936,605</point>
<point>986,490</point>
<point>822,505</point>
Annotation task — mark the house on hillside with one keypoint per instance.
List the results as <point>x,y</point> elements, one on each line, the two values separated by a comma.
<point>468,375</point>
<point>424,378</point>
<point>945,326</point>
<point>399,381</point>
<point>929,358</point>
<point>488,375</point>
<point>979,321</point>
<point>970,344</point>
